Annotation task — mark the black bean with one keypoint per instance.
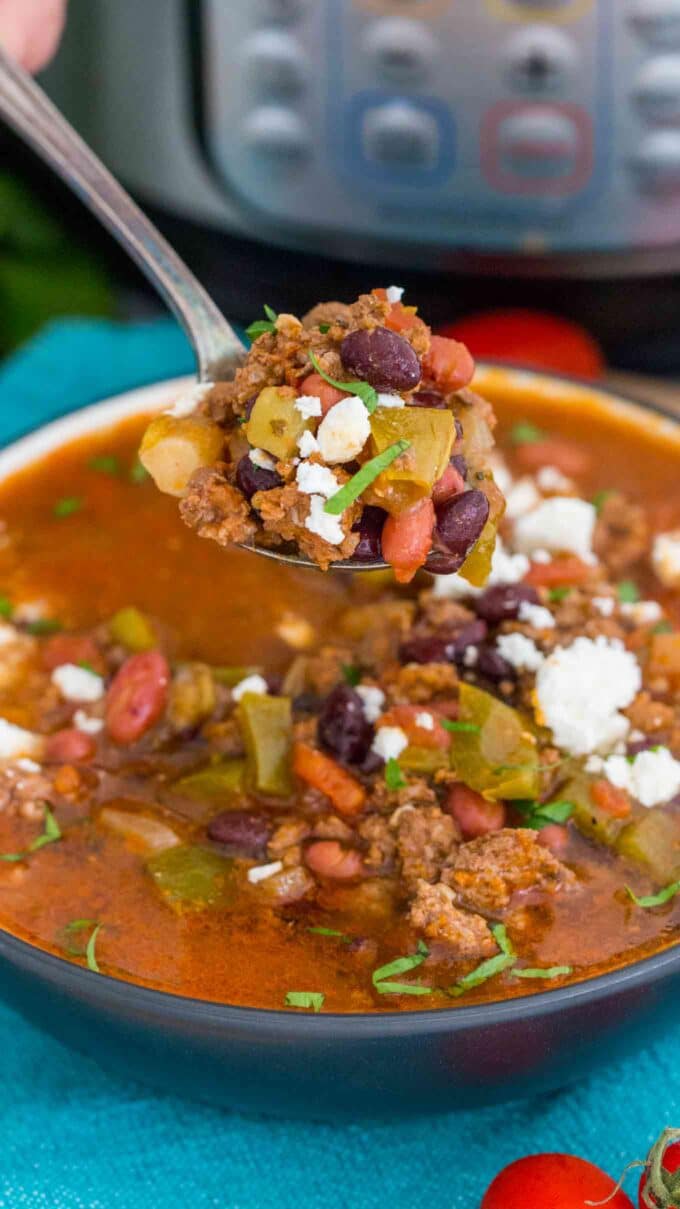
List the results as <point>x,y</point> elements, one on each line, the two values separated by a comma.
<point>459,463</point>
<point>443,564</point>
<point>251,478</point>
<point>342,726</point>
<point>369,526</point>
<point>460,522</point>
<point>241,833</point>
<point>471,635</point>
<point>428,398</point>
<point>491,664</point>
<point>381,357</point>
<point>443,647</point>
<point>502,602</point>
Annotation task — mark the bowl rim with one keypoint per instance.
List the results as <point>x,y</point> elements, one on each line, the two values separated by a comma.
<point>171,1006</point>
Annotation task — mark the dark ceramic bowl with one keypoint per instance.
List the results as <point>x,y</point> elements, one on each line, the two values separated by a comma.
<point>299,1064</point>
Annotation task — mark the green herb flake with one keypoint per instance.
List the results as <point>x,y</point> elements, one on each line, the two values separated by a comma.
<point>261,326</point>
<point>71,929</point>
<point>539,814</point>
<point>364,477</point>
<point>351,674</point>
<point>324,327</point>
<point>401,965</point>
<point>311,1000</point>
<point>525,433</point>
<point>42,627</point>
<point>470,728</point>
<point>489,968</point>
<point>138,473</point>
<point>6,607</point>
<point>91,950</point>
<point>662,627</point>
<point>550,972</point>
<point>627,591</point>
<point>402,988</point>
<point>87,667</point>
<point>600,498</point>
<point>394,778</point>
<point>105,463</point>
<point>50,834</point>
<point>67,506</point>
<point>363,390</point>
<point>558,594</point>
<point>655,900</point>
<point>330,932</point>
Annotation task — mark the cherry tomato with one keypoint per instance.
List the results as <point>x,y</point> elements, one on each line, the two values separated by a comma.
<point>552,1181</point>
<point>670,1163</point>
<point>473,814</point>
<point>530,338</point>
<point>449,363</point>
<point>406,540</point>
<point>69,747</point>
<point>137,696</point>
<point>70,648</point>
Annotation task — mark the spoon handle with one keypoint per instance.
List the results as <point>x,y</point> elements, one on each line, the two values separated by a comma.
<point>27,109</point>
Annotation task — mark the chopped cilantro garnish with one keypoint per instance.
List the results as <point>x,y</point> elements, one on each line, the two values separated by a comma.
<point>364,477</point>
<point>50,834</point>
<point>558,594</point>
<point>74,926</point>
<point>490,967</point>
<point>330,932</point>
<point>550,972</point>
<point>351,673</point>
<point>67,506</point>
<point>662,627</point>
<point>6,607</point>
<point>469,728</point>
<point>324,327</point>
<point>105,463</point>
<point>138,473</point>
<point>394,778</point>
<point>42,626</point>
<point>261,326</point>
<point>401,965</point>
<point>655,900</point>
<point>627,591</point>
<point>87,667</point>
<point>600,498</point>
<point>90,951</point>
<point>312,1000</point>
<point>525,433</point>
<point>538,814</point>
<point>363,390</point>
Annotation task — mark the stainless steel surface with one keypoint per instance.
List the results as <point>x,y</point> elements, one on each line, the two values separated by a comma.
<point>27,109</point>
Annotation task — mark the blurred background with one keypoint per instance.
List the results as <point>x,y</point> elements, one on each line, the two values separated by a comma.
<point>490,156</point>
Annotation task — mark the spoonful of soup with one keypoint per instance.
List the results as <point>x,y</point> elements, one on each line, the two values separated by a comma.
<point>347,439</point>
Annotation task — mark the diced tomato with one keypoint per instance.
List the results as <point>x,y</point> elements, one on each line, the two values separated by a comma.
<point>314,384</point>
<point>573,460</point>
<point>449,363</point>
<point>406,717</point>
<point>451,483</point>
<point>555,837</point>
<point>69,747</point>
<point>610,798</point>
<point>407,539</point>
<point>137,696</point>
<point>71,648</point>
<point>553,1181</point>
<point>329,859</point>
<point>473,814</point>
<point>567,572</point>
<point>530,338</point>
<point>322,773</point>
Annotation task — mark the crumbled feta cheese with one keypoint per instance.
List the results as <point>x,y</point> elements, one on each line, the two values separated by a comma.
<point>308,406</point>
<point>88,725</point>
<point>452,587</point>
<point>520,651</point>
<point>389,742</point>
<point>15,742</point>
<point>373,700</point>
<point>506,568</point>
<point>550,478</point>
<point>187,403</point>
<point>77,683</point>
<point>394,293</point>
<point>666,558</point>
<point>307,444</point>
<point>386,400</point>
<point>605,605</point>
<point>580,690</point>
<point>470,656</point>
<point>522,497</point>
<point>651,778</point>
<point>27,765</point>
<point>560,524</point>
<point>322,523</point>
<point>250,684</point>
<point>296,631</point>
<point>344,430</point>
<point>313,479</point>
<point>8,634</point>
<point>642,612</point>
<point>541,556</point>
<point>501,472</point>
<point>259,873</point>
<point>536,615</point>
<point>425,721</point>
<point>31,610</point>
<point>264,460</point>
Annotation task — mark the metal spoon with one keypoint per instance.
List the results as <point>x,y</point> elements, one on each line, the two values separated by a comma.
<point>219,352</point>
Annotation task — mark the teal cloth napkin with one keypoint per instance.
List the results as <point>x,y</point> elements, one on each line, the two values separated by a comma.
<point>73,1137</point>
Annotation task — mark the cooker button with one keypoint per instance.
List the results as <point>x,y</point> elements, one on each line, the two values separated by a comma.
<point>275,63</point>
<point>398,134</point>
<point>657,21</point>
<point>657,162</point>
<point>540,144</point>
<point>283,12</point>
<point>277,134</point>
<point>401,51</point>
<point>657,89</point>
<point>539,59</point>
<point>542,5</point>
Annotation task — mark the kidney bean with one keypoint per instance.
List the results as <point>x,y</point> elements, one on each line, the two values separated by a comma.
<point>491,664</point>
<point>137,696</point>
<point>460,522</point>
<point>459,463</point>
<point>428,398</point>
<point>474,815</point>
<point>442,647</point>
<point>70,648</point>
<point>342,726</point>
<point>241,833</point>
<point>69,747</point>
<point>502,602</point>
<point>555,837</point>
<point>444,564</point>
<point>329,859</point>
<point>369,527</point>
<point>381,357</point>
<point>314,384</point>
<point>449,363</point>
<point>406,540</point>
<point>471,634</point>
<point>451,483</point>
<point>251,478</point>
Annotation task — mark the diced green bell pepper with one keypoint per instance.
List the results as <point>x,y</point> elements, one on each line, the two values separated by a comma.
<point>267,728</point>
<point>654,841</point>
<point>220,780</point>
<point>132,629</point>
<point>430,432</point>
<point>233,675</point>
<point>590,818</point>
<point>192,876</point>
<point>500,760</point>
<point>477,565</point>
<point>275,424</point>
<point>423,759</point>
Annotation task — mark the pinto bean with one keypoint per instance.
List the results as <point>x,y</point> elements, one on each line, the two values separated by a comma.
<point>474,815</point>
<point>137,696</point>
<point>328,858</point>
<point>69,747</point>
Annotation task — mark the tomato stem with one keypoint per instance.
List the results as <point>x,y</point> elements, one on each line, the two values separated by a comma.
<point>661,1189</point>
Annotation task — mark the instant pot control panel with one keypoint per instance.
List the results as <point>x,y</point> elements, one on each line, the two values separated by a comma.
<point>506,126</point>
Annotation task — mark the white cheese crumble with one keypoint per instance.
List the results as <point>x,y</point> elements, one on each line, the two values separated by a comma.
<point>501,472</point>
<point>187,403</point>
<point>470,656</point>
<point>307,444</point>
<point>394,293</point>
<point>313,479</point>
<point>8,634</point>
<point>550,478</point>
<point>520,651</point>
<point>27,765</point>
<point>296,631</point>
<point>605,605</point>
<point>387,400</point>
<point>344,430</point>
<point>666,558</point>
<point>642,612</point>
<point>88,725</point>
<point>372,699</point>
<point>561,524</point>
<point>250,684</point>
<point>322,523</point>
<point>308,406</point>
<point>536,615</point>
<point>651,778</point>
<point>15,742</point>
<point>259,873</point>
<point>541,556</point>
<point>77,683</point>
<point>580,690</point>
<point>389,742</point>
<point>425,721</point>
<point>522,497</point>
<point>265,461</point>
